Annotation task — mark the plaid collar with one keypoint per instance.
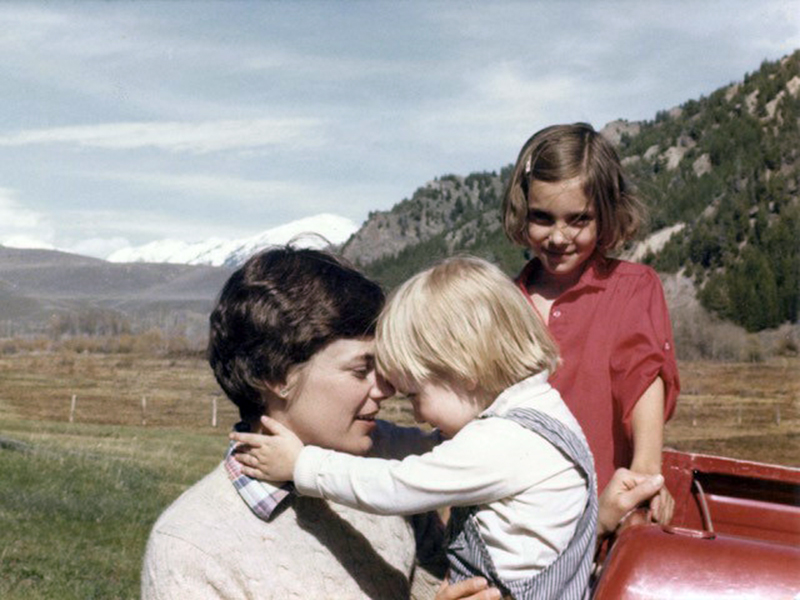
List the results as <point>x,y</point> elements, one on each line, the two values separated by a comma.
<point>262,497</point>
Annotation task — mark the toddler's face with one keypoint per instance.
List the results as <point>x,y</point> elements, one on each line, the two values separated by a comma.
<point>444,406</point>
<point>562,226</point>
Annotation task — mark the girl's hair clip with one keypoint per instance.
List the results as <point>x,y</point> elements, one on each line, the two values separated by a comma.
<point>528,166</point>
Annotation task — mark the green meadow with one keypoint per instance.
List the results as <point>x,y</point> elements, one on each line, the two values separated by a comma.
<point>77,502</point>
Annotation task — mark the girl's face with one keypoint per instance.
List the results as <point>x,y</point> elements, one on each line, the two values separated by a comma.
<point>562,228</point>
<point>444,406</point>
<point>335,397</point>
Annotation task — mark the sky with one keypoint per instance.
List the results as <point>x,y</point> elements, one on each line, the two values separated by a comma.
<point>123,123</point>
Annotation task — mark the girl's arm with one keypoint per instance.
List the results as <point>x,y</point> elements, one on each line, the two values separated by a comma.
<point>645,379</point>
<point>647,428</point>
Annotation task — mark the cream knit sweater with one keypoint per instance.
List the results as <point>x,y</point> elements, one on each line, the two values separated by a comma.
<point>209,544</point>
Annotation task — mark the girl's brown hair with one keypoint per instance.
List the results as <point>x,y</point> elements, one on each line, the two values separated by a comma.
<point>563,152</point>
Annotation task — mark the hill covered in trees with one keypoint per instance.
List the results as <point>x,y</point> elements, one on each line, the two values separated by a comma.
<point>720,175</point>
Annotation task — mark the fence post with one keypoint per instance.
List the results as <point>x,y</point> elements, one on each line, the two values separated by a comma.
<point>778,414</point>
<point>144,410</point>
<point>213,411</point>
<point>72,408</point>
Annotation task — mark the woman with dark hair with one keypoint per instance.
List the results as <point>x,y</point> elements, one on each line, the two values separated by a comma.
<point>292,337</point>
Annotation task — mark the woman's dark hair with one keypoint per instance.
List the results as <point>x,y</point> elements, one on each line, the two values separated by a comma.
<point>276,311</point>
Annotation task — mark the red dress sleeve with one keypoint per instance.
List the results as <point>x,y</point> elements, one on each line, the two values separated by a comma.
<point>643,348</point>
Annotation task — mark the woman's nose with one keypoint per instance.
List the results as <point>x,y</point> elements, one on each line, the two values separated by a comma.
<point>381,389</point>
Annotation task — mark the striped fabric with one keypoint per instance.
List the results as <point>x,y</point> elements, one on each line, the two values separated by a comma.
<point>261,497</point>
<point>568,576</point>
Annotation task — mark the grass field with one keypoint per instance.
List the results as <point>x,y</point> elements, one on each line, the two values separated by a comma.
<point>77,499</point>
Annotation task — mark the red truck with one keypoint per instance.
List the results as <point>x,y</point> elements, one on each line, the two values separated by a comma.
<point>735,534</point>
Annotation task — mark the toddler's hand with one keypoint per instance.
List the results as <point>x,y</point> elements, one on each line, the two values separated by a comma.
<point>268,457</point>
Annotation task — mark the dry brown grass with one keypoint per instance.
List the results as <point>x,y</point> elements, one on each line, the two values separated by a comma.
<point>743,410</point>
<point>109,388</point>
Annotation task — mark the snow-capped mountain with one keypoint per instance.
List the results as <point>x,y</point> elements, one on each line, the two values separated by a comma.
<point>219,252</point>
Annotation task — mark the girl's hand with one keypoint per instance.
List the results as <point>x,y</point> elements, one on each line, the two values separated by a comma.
<point>268,457</point>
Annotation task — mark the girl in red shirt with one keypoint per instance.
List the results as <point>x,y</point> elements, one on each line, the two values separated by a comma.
<point>568,201</point>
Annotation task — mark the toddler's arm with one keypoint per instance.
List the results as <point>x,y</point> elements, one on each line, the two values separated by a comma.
<point>487,461</point>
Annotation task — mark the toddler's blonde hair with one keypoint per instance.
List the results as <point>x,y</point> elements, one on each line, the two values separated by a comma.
<point>462,321</point>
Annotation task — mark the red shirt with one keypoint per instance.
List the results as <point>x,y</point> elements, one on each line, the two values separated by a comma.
<point>614,335</point>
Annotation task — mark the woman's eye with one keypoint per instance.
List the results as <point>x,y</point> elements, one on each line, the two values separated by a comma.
<point>361,373</point>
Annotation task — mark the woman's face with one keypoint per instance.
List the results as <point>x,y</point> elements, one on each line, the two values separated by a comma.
<point>335,397</point>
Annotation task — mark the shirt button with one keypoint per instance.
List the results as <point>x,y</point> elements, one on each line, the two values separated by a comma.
<point>666,346</point>
<point>556,313</point>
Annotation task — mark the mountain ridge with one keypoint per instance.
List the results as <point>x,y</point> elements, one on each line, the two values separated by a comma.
<point>219,252</point>
<point>720,176</point>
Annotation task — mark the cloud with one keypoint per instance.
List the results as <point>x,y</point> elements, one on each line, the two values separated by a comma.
<point>197,137</point>
<point>232,189</point>
<point>222,200</point>
<point>499,106</point>
<point>21,227</point>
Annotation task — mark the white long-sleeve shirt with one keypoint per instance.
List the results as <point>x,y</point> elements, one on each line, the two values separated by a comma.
<point>529,496</point>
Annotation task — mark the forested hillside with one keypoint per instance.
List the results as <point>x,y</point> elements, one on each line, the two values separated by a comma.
<point>720,173</point>
<point>737,190</point>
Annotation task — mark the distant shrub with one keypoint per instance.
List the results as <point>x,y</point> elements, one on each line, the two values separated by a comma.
<point>787,346</point>
<point>16,345</point>
<point>700,335</point>
<point>753,351</point>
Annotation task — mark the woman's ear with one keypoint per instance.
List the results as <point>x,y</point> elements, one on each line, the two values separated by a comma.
<point>284,390</point>
<point>274,402</point>
<point>278,390</point>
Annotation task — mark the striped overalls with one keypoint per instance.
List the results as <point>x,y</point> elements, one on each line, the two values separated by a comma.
<point>568,576</point>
